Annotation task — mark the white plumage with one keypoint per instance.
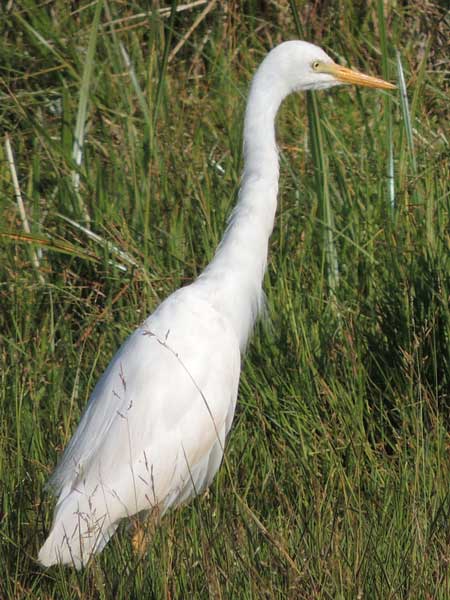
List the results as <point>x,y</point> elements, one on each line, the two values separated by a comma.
<point>154,430</point>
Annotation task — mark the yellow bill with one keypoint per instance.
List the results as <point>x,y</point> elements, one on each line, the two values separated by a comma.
<point>346,75</point>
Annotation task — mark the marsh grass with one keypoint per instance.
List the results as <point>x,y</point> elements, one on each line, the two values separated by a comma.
<point>336,483</point>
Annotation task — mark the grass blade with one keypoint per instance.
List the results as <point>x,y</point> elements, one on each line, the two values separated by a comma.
<point>390,174</point>
<point>406,112</point>
<point>48,243</point>
<point>80,127</point>
<point>321,174</point>
<point>20,204</point>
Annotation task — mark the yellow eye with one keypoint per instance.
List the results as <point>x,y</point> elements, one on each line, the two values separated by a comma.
<point>316,65</point>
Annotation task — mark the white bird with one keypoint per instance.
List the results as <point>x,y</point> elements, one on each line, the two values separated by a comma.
<point>153,433</point>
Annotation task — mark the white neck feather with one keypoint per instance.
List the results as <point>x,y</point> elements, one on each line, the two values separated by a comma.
<point>234,276</point>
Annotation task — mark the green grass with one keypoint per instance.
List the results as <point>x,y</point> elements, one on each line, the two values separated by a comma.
<point>337,474</point>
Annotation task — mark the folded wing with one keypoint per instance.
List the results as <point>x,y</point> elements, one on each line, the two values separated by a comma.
<point>153,432</point>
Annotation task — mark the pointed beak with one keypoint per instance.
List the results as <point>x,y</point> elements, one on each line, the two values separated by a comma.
<point>345,75</point>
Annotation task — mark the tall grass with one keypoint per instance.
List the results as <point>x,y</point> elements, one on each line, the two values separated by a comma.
<point>338,473</point>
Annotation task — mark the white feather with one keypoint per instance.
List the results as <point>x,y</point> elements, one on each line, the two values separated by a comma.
<point>154,430</point>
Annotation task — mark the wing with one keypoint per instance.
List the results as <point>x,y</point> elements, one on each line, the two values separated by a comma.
<point>153,431</point>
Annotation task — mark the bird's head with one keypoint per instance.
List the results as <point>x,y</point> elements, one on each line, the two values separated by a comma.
<point>299,66</point>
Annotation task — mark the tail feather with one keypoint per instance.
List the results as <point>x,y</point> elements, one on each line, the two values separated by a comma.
<point>75,536</point>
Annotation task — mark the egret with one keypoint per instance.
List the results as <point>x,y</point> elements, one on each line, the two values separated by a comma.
<point>153,433</point>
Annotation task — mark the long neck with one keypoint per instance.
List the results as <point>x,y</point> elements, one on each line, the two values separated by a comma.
<point>234,276</point>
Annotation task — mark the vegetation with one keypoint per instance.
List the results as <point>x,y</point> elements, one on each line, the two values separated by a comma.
<point>122,124</point>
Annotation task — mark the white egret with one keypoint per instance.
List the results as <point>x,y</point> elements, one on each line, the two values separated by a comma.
<point>153,432</point>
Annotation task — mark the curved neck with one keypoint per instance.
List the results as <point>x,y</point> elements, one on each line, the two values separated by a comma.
<point>234,277</point>
<point>260,149</point>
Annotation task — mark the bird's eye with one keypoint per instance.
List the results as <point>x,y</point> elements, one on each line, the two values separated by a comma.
<point>316,65</point>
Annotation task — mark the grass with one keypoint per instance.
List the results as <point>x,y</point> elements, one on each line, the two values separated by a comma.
<point>337,474</point>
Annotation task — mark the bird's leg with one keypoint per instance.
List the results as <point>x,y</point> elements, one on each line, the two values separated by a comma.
<point>144,526</point>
